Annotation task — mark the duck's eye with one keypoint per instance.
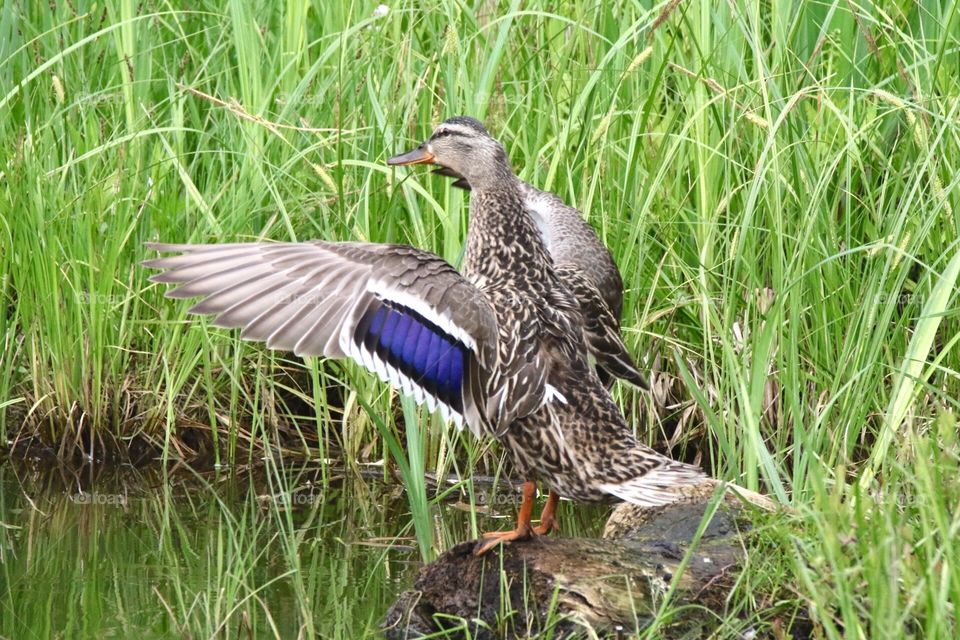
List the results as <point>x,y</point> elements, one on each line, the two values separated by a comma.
<point>443,133</point>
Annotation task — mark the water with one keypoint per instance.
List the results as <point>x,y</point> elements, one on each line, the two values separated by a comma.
<point>139,553</point>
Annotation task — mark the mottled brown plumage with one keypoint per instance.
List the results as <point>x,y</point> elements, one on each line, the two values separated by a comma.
<point>499,347</point>
<point>587,269</point>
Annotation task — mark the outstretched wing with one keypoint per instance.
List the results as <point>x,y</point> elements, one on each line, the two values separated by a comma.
<point>402,313</point>
<point>601,331</point>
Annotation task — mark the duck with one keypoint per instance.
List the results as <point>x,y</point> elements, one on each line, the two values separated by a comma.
<point>497,347</point>
<point>587,268</point>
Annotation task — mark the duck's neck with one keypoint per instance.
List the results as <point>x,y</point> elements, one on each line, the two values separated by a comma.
<point>503,241</point>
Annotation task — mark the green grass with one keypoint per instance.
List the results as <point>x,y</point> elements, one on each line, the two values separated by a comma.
<point>726,152</point>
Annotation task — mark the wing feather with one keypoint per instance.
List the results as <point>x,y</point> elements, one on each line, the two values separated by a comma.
<point>601,330</point>
<point>401,313</point>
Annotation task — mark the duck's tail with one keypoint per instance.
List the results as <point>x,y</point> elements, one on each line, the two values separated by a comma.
<point>658,485</point>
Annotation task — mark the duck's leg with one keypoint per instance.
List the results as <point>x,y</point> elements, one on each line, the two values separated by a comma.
<point>548,518</point>
<point>524,529</point>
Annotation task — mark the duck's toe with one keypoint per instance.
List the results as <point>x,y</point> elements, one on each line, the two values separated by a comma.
<point>547,525</point>
<point>494,538</point>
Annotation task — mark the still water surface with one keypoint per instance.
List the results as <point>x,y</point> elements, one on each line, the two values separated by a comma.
<point>139,553</point>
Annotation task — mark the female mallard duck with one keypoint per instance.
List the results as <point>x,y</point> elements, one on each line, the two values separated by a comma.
<point>499,347</point>
<point>586,268</point>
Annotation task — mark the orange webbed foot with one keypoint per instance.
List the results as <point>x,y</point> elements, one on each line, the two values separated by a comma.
<point>548,519</point>
<point>495,538</point>
<point>523,530</point>
<point>547,525</point>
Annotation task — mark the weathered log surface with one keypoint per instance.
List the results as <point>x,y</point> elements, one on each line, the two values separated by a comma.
<point>574,584</point>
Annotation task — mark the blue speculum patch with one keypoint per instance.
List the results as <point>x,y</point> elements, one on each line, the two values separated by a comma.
<point>417,347</point>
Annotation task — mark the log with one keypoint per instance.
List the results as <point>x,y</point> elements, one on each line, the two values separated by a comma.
<point>570,586</point>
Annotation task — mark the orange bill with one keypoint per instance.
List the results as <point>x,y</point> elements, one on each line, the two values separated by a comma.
<point>417,156</point>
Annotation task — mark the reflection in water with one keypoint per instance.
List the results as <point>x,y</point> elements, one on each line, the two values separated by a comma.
<point>137,553</point>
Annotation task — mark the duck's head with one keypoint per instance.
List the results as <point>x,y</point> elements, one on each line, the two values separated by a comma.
<point>462,147</point>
